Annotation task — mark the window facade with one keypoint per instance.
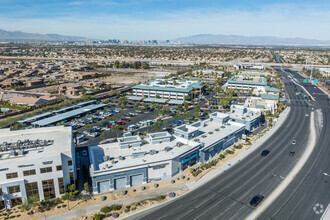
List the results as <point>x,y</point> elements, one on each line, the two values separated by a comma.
<point>32,189</point>
<point>70,162</point>
<point>59,167</point>
<point>61,185</point>
<point>2,205</point>
<point>1,192</point>
<point>71,178</point>
<point>16,202</point>
<point>48,188</point>
<point>29,172</point>
<point>46,170</point>
<point>12,175</point>
<point>14,189</point>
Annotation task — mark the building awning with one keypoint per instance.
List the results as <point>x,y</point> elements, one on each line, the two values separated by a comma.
<point>155,100</point>
<point>134,98</point>
<point>176,102</point>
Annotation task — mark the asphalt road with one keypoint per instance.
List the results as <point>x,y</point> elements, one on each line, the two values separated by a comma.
<point>228,195</point>
<point>308,195</point>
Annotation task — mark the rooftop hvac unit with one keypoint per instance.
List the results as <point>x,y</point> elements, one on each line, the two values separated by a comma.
<point>152,152</point>
<point>179,144</point>
<point>121,158</point>
<point>222,126</point>
<point>167,149</point>
<point>106,158</point>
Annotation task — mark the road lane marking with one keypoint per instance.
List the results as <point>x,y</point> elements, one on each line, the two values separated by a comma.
<point>277,192</point>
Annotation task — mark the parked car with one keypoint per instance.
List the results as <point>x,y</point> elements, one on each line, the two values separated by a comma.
<point>294,142</point>
<point>291,153</point>
<point>125,119</point>
<point>120,123</point>
<point>256,200</point>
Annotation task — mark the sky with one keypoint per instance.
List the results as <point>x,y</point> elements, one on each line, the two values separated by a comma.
<point>167,19</point>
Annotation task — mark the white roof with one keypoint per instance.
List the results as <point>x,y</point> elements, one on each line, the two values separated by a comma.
<point>60,137</point>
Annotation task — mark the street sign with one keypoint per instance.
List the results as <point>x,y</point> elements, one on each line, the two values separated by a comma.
<point>305,80</point>
<point>315,80</point>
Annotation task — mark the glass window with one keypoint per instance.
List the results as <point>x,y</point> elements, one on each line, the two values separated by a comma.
<point>71,178</point>
<point>2,205</point>
<point>70,162</point>
<point>29,172</point>
<point>48,188</point>
<point>12,175</point>
<point>61,185</point>
<point>59,167</point>
<point>32,189</point>
<point>14,189</point>
<point>0,191</point>
<point>16,202</point>
<point>46,170</point>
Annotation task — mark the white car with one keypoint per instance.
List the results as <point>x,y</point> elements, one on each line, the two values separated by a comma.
<point>294,142</point>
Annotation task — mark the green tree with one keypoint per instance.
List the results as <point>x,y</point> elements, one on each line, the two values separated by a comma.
<point>186,105</point>
<point>117,129</point>
<point>157,125</point>
<point>103,134</point>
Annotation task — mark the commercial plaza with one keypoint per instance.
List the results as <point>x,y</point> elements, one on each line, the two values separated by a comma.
<point>133,160</point>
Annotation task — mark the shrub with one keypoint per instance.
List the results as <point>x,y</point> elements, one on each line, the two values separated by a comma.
<point>48,209</point>
<point>143,187</point>
<point>221,156</point>
<point>128,207</point>
<point>115,215</point>
<point>105,209</point>
<point>59,207</point>
<point>162,197</point>
<point>137,204</point>
<point>191,170</point>
<point>115,207</point>
<point>63,205</point>
<point>18,215</point>
<point>197,173</point>
<point>188,178</point>
<point>229,151</point>
<point>171,194</point>
<point>134,190</point>
<point>172,181</point>
<point>98,216</point>
<point>127,210</point>
<point>182,177</point>
<point>156,185</point>
<point>103,198</point>
<point>124,192</point>
<point>133,208</point>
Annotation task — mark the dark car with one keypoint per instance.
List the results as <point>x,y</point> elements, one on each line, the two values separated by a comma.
<point>265,153</point>
<point>256,200</point>
<point>291,153</point>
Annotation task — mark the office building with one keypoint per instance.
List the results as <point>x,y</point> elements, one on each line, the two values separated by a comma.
<point>35,162</point>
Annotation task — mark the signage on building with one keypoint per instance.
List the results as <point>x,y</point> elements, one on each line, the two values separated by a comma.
<point>47,162</point>
<point>160,166</point>
<point>25,165</point>
<point>4,169</point>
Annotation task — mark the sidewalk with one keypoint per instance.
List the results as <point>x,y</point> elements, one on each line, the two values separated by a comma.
<point>173,188</point>
<point>96,208</point>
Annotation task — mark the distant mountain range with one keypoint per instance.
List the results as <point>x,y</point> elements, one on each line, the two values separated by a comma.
<point>18,36</point>
<point>242,40</point>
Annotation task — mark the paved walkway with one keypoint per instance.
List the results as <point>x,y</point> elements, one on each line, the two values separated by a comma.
<point>277,192</point>
<point>172,188</point>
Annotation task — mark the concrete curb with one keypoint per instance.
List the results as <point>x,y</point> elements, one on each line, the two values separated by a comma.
<point>285,183</point>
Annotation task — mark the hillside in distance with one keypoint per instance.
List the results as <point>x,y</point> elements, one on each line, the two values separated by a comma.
<point>243,40</point>
<point>18,36</point>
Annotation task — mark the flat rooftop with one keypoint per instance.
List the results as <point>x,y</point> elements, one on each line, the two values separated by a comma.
<point>248,80</point>
<point>32,141</point>
<point>170,85</point>
<point>212,131</point>
<point>134,157</point>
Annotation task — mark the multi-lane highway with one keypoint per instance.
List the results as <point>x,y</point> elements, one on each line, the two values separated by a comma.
<point>228,195</point>
<point>308,195</point>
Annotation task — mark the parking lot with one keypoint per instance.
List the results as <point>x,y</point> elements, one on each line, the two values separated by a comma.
<point>113,121</point>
